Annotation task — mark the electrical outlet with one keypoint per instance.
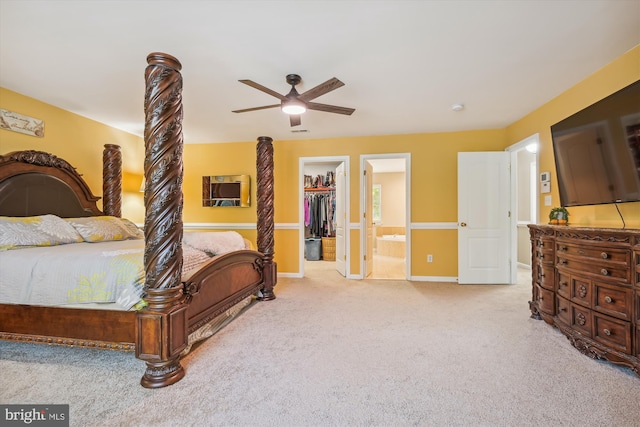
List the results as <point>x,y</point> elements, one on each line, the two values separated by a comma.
<point>429,258</point>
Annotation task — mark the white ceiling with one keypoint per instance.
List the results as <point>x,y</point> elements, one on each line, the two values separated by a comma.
<point>404,63</point>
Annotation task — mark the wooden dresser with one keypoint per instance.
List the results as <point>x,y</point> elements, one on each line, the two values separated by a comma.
<point>586,282</point>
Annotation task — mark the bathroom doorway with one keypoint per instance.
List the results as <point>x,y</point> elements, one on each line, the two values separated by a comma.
<point>389,205</point>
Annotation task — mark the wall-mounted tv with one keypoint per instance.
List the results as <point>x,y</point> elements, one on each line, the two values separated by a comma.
<point>597,151</point>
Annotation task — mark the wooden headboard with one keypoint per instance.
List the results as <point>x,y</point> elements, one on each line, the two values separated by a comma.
<point>38,183</point>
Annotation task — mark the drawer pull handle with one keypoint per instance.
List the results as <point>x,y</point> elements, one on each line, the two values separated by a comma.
<point>541,275</point>
<point>562,248</point>
<point>604,255</point>
<point>563,309</point>
<point>562,284</point>
<point>607,332</point>
<point>604,272</point>
<point>562,261</point>
<point>541,256</point>
<point>608,299</point>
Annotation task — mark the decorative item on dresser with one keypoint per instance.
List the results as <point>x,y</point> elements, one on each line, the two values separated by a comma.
<point>586,282</point>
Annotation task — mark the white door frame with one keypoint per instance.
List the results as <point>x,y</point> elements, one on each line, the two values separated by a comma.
<point>347,230</point>
<point>513,150</point>
<point>363,225</point>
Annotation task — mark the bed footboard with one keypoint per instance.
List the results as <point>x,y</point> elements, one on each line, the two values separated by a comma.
<point>222,283</point>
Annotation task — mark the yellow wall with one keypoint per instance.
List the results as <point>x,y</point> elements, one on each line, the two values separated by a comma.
<point>80,141</point>
<point>433,174</point>
<point>616,75</point>
<point>433,159</point>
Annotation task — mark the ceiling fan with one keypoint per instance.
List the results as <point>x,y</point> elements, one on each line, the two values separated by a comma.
<point>295,104</point>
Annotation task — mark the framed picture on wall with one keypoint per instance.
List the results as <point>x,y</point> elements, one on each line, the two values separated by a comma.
<point>21,123</point>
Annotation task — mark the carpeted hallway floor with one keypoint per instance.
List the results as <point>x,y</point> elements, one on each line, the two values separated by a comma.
<point>336,352</point>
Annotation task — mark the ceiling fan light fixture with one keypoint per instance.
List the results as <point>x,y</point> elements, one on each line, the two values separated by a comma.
<point>293,107</point>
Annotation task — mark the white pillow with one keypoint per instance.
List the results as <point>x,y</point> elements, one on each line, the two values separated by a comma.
<point>42,230</point>
<point>214,242</point>
<point>102,228</point>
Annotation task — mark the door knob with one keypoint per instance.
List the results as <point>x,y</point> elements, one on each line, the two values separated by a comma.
<point>463,224</point>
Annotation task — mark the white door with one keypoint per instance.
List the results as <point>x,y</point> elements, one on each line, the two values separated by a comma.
<point>341,253</point>
<point>483,218</point>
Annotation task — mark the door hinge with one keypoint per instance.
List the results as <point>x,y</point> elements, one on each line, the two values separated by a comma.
<point>364,257</point>
<point>509,214</point>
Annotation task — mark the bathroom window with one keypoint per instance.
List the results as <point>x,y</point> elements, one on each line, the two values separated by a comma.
<point>376,199</point>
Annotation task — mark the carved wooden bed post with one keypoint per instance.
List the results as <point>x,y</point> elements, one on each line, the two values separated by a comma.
<point>162,326</point>
<point>112,180</point>
<point>265,211</point>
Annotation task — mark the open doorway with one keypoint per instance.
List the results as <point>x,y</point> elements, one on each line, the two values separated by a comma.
<point>526,192</point>
<point>385,202</point>
<point>323,213</point>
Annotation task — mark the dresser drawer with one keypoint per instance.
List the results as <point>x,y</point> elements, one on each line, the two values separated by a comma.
<point>546,277</point>
<point>596,269</point>
<point>612,332</point>
<point>545,255</point>
<point>564,282</point>
<point>574,316</point>
<point>564,310</point>
<point>546,300</point>
<point>613,300</point>
<point>622,257</point>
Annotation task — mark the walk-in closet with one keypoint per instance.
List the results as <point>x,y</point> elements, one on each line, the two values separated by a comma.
<point>319,214</point>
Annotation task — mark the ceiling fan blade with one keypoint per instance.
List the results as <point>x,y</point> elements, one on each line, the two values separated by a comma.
<point>256,108</point>
<point>330,108</point>
<point>321,89</point>
<point>263,89</point>
<point>295,120</point>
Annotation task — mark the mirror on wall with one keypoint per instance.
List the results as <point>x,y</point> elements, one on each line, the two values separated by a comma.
<point>226,190</point>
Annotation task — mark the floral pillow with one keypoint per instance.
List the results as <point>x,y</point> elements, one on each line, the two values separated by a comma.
<point>103,228</point>
<point>43,230</point>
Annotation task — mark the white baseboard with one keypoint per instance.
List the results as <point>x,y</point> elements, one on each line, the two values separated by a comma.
<point>451,279</point>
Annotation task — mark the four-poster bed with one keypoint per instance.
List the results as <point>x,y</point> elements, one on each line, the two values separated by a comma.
<point>35,183</point>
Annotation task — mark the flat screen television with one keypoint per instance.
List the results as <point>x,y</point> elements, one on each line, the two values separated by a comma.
<point>597,151</point>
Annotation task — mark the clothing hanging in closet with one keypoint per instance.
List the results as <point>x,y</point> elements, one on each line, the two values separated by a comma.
<point>319,213</point>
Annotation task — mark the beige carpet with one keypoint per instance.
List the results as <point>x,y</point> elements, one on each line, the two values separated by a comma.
<point>333,352</point>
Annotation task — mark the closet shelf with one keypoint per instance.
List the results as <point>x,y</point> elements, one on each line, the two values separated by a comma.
<point>312,189</point>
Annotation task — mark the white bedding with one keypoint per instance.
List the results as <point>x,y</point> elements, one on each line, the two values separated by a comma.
<point>106,273</point>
